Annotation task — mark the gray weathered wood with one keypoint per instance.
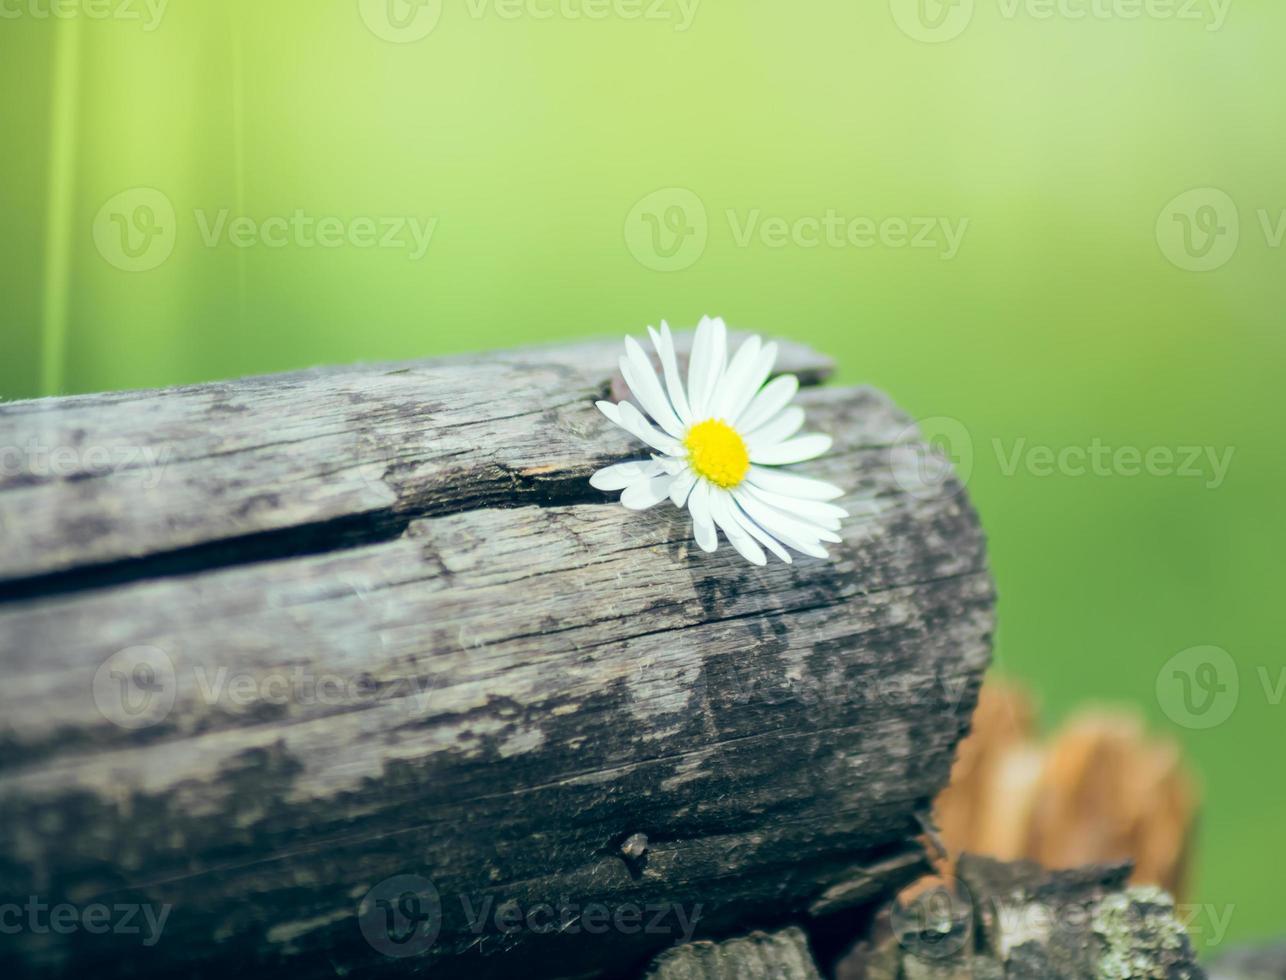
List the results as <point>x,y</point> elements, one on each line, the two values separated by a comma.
<point>999,920</point>
<point>438,653</point>
<point>279,462</point>
<point>780,955</point>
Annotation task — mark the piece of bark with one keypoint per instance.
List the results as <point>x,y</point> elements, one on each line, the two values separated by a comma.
<point>859,889</point>
<point>445,656</point>
<point>1108,792</point>
<point>780,955</point>
<point>1016,920</point>
<point>1099,790</point>
<point>984,810</point>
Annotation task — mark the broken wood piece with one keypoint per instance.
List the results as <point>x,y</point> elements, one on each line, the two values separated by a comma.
<point>999,920</point>
<point>781,955</point>
<point>1099,790</point>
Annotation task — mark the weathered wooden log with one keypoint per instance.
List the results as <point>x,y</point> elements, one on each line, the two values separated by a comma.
<point>350,670</point>
<point>997,920</point>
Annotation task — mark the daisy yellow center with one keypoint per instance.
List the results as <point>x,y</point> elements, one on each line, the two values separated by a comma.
<point>717,452</point>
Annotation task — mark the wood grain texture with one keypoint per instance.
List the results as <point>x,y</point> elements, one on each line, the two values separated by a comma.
<point>289,461</point>
<point>474,670</point>
<point>780,955</point>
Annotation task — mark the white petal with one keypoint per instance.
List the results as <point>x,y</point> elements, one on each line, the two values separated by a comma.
<point>805,546</point>
<point>705,535</point>
<point>780,524</point>
<point>719,365</point>
<point>756,532</point>
<point>621,475</point>
<point>805,543</point>
<point>781,428</point>
<point>643,382</point>
<point>736,380</point>
<point>682,486</point>
<point>610,410</point>
<point>827,516</point>
<point>721,508</point>
<point>792,485</point>
<point>664,345</point>
<point>810,548</point>
<point>632,420</point>
<point>709,359</point>
<point>702,523</point>
<point>673,465</point>
<point>793,451</point>
<point>644,493</point>
<point>770,400</point>
<point>754,381</point>
<point>698,358</point>
<point>813,510</point>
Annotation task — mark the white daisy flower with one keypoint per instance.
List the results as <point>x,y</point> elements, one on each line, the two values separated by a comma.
<point>716,443</point>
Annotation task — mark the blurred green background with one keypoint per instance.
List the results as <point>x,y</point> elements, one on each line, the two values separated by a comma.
<point>592,166</point>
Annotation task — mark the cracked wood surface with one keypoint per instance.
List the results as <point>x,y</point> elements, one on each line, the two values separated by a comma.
<point>418,644</point>
<point>289,459</point>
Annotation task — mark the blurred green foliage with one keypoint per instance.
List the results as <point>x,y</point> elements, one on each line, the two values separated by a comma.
<point>1055,148</point>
